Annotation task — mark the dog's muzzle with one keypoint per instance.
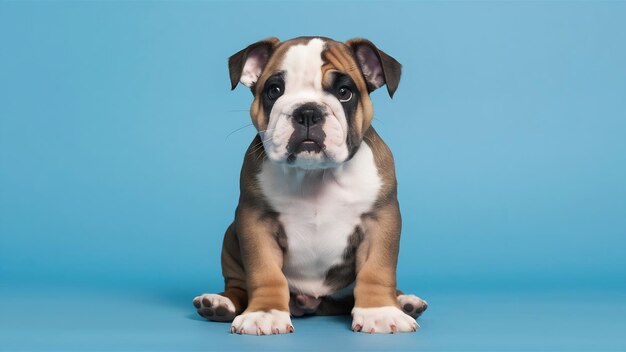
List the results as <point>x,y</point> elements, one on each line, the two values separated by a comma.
<point>308,135</point>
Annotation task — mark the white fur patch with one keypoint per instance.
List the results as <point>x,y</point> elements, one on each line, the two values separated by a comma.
<point>302,67</point>
<point>250,74</point>
<point>319,210</point>
<point>303,63</point>
<point>262,323</point>
<point>382,320</point>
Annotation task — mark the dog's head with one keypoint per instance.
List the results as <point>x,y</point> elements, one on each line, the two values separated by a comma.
<point>311,95</point>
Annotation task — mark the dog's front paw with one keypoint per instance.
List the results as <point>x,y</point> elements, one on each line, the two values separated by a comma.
<point>382,320</point>
<point>412,305</point>
<point>262,323</point>
<point>215,307</point>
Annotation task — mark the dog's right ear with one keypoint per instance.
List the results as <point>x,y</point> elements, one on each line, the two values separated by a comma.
<point>246,65</point>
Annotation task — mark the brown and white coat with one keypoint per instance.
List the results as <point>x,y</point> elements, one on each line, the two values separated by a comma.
<point>317,227</point>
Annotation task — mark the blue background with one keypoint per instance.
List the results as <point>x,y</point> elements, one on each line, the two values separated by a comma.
<point>121,145</point>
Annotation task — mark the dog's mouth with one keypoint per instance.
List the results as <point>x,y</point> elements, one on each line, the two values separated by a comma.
<point>308,145</point>
<point>307,149</point>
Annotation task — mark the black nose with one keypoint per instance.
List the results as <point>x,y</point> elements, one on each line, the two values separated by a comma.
<point>308,115</point>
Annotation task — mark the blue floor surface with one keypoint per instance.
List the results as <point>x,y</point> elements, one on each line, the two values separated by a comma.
<point>162,318</point>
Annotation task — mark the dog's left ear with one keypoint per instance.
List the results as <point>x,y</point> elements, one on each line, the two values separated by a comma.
<point>377,67</point>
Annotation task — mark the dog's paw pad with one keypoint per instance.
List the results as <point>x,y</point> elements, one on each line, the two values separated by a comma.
<point>262,323</point>
<point>382,320</point>
<point>412,305</point>
<point>215,307</point>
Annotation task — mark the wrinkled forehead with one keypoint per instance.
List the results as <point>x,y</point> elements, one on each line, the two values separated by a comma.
<point>312,63</point>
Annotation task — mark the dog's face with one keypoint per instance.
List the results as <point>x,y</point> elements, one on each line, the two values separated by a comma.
<point>311,96</point>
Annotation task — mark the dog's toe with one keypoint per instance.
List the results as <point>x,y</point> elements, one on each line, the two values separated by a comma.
<point>214,307</point>
<point>412,305</point>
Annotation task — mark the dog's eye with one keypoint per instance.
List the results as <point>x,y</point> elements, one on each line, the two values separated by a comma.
<point>274,91</point>
<point>345,94</point>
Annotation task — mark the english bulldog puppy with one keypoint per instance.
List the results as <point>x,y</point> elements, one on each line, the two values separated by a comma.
<point>317,227</point>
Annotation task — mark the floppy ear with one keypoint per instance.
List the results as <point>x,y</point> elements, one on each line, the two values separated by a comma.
<point>377,67</point>
<point>246,65</point>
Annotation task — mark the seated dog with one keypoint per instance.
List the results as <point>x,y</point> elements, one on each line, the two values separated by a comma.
<point>317,227</point>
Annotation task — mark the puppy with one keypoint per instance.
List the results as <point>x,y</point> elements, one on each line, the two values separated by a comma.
<point>317,227</point>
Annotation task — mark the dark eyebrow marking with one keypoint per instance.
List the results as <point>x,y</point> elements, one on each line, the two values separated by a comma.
<point>339,79</point>
<point>276,75</point>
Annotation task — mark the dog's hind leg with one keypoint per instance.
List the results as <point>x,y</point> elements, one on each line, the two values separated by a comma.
<point>411,304</point>
<point>227,305</point>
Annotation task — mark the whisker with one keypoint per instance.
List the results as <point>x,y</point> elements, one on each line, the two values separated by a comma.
<point>260,157</point>
<point>256,149</point>
<point>268,139</point>
<point>237,130</point>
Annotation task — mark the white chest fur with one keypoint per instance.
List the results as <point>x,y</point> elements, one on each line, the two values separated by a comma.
<point>319,210</point>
